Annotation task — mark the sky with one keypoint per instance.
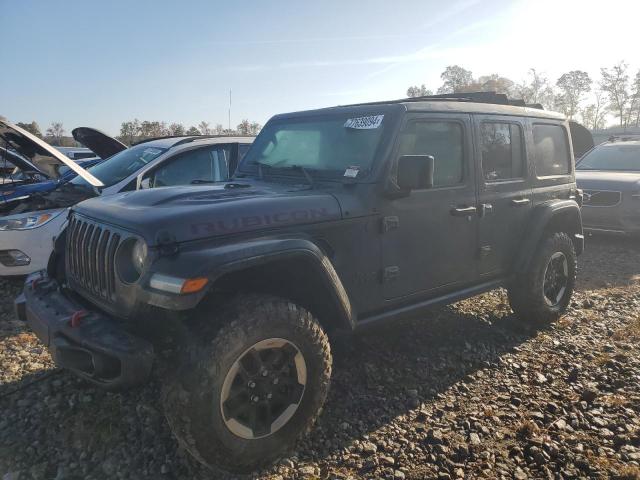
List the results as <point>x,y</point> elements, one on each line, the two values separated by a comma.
<point>99,63</point>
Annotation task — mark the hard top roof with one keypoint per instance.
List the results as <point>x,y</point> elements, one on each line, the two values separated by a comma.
<point>476,102</point>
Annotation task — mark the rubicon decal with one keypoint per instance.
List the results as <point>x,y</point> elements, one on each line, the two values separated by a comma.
<point>250,222</point>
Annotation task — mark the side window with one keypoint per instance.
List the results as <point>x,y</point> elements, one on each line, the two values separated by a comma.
<point>444,141</point>
<point>203,165</point>
<point>551,150</point>
<point>501,146</point>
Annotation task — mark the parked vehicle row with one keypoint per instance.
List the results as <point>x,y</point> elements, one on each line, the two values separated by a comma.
<point>609,175</point>
<point>30,226</point>
<point>335,220</point>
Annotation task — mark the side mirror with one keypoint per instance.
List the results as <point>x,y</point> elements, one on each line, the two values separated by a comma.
<point>415,172</point>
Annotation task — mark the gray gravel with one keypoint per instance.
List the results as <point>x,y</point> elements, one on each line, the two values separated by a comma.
<point>469,392</point>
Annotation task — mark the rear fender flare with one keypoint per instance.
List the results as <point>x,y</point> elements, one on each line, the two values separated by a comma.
<point>542,218</point>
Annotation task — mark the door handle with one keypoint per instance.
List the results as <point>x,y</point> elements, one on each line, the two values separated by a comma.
<point>463,211</point>
<point>519,202</point>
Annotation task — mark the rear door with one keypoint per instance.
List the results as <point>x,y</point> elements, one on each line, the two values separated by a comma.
<point>429,236</point>
<point>504,190</point>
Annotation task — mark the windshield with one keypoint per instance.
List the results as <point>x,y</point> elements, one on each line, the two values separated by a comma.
<point>122,164</point>
<point>612,157</point>
<point>332,147</point>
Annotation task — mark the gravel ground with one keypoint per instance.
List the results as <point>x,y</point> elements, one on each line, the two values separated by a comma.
<point>467,393</point>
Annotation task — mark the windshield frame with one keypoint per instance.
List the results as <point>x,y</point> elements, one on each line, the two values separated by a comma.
<point>608,169</point>
<point>78,181</point>
<point>245,168</point>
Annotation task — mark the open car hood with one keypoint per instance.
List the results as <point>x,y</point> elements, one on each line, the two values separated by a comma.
<point>100,143</point>
<point>581,138</point>
<point>40,154</point>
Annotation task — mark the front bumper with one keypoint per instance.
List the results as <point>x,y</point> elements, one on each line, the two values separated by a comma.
<point>623,218</point>
<point>91,344</point>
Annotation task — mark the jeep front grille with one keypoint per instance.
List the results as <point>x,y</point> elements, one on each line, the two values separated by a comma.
<point>601,198</point>
<point>91,251</point>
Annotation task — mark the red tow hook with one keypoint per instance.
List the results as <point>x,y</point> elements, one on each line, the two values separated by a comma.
<point>76,317</point>
<point>35,282</point>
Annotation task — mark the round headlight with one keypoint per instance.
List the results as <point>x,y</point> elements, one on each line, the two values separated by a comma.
<point>139,255</point>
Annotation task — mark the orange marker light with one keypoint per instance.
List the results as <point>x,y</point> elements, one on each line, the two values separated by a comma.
<point>193,285</point>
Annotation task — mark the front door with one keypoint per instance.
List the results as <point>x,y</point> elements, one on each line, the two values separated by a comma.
<point>504,190</point>
<point>429,236</point>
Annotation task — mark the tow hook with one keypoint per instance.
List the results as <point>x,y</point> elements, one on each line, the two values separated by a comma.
<point>78,315</point>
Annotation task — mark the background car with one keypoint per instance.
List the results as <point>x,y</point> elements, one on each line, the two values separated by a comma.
<point>609,176</point>
<point>26,236</point>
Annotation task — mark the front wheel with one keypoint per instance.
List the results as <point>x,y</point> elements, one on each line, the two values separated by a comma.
<point>542,293</point>
<point>245,396</point>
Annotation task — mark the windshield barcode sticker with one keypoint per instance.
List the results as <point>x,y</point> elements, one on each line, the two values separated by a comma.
<point>364,123</point>
<point>352,172</point>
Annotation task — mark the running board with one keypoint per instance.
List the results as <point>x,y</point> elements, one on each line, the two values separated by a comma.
<point>417,309</point>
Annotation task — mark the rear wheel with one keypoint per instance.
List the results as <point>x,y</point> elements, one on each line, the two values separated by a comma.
<point>542,293</point>
<point>245,394</point>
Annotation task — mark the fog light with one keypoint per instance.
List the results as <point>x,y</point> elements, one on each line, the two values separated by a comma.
<point>14,258</point>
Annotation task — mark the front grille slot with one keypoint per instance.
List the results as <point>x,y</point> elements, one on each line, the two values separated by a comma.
<point>601,198</point>
<point>91,251</point>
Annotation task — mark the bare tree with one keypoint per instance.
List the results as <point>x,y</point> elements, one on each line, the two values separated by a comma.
<point>420,91</point>
<point>254,128</point>
<point>634,109</point>
<point>455,79</point>
<point>615,82</point>
<point>175,129</point>
<point>536,89</point>
<point>192,131</point>
<point>3,118</point>
<point>130,131</point>
<point>492,83</point>
<point>219,129</point>
<point>33,128</point>
<point>243,127</point>
<point>55,132</point>
<point>594,115</point>
<point>573,85</point>
<point>204,128</point>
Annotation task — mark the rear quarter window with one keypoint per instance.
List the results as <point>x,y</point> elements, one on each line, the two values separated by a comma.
<point>551,150</point>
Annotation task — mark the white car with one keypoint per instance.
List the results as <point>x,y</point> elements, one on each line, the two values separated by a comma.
<point>28,233</point>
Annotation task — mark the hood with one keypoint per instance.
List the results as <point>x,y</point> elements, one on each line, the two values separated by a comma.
<point>581,139</point>
<point>39,153</point>
<point>608,180</point>
<point>10,159</point>
<point>98,142</point>
<point>179,214</point>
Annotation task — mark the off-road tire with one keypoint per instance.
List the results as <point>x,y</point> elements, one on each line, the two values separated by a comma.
<point>526,294</point>
<point>192,392</point>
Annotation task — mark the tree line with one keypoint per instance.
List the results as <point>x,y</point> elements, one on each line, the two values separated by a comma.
<point>614,92</point>
<point>136,130</point>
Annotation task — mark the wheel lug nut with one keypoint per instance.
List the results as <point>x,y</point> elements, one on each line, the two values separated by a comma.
<point>269,395</point>
<point>265,373</point>
<point>255,399</point>
<point>251,384</point>
<point>276,381</point>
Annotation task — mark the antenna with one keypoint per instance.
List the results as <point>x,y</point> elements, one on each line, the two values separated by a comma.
<point>229,109</point>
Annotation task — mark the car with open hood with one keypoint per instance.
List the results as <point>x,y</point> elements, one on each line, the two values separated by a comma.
<point>337,219</point>
<point>33,172</point>
<point>609,175</point>
<point>28,231</point>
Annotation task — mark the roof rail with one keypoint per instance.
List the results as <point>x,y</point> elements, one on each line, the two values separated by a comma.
<point>187,138</point>
<point>475,97</point>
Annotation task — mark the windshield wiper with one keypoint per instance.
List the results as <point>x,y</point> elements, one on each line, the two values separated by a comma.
<point>305,172</point>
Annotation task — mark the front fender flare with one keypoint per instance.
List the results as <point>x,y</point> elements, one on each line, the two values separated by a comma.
<point>218,260</point>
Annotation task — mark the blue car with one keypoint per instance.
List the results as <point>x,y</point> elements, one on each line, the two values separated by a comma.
<point>26,175</point>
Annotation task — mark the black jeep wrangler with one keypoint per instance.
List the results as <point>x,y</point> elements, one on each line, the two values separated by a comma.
<point>336,219</point>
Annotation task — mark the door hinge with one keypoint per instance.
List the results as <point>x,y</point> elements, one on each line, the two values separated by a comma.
<point>390,273</point>
<point>390,223</point>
